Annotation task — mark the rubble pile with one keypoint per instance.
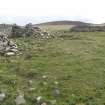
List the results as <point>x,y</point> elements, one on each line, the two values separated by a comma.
<point>28,30</point>
<point>7,47</point>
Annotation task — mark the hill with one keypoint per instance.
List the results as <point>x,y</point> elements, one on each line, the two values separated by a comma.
<point>60,25</point>
<point>65,22</point>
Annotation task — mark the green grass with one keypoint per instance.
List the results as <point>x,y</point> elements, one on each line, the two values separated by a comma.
<point>75,60</point>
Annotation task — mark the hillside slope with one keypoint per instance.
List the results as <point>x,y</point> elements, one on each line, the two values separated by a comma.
<point>65,22</point>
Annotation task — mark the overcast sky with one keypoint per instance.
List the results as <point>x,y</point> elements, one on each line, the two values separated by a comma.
<point>24,11</point>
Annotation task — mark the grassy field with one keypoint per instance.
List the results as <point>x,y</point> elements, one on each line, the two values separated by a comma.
<point>72,63</point>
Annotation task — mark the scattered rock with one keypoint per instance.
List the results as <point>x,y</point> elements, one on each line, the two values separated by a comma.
<point>20,100</point>
<point>2,96</point>
<point>44,76</point>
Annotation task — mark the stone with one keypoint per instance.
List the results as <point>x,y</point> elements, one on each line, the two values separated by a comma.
<point>2,96</point>
<point>44,103</point>
<point>10,54</point>
<point>44,76</point>
<point>14,50</point>
<point>20,100</point>
<point>7,47</point>
<point>56,82</point>
<point>56,93</point>
<point>32,89</point>
<point>53,102</point>
<point>39,98</point>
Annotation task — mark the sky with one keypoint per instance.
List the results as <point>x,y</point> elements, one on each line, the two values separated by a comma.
<point>37,11</point>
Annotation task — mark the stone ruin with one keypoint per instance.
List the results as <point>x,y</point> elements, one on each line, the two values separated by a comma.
<point>28,30</point>
<point>23,31</point>
<point>5,29</point>
<point>7,47</point>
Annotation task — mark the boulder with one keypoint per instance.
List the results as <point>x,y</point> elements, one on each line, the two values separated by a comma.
<point>2,96</point>
<point>20,100</point>
<point>10,54</point>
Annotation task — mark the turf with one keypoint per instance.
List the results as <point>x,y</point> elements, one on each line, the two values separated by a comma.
<point>75,60</point>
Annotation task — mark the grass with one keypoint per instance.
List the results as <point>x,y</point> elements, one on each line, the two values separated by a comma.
<point>75,60</point>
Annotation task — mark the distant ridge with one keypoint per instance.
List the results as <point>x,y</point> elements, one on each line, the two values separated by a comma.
<point>64,22</point>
